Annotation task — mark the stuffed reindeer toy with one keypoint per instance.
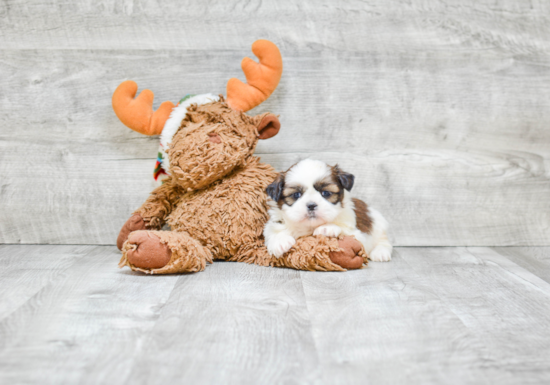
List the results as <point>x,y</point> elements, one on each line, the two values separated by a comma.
<point>213,196</point>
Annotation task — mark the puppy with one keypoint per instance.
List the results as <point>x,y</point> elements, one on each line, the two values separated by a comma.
<point>313,198</point>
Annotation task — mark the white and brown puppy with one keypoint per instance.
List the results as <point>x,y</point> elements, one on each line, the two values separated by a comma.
<point>313,198</point>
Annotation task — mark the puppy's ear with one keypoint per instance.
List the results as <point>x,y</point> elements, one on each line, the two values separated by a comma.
<point>275,189</point>
<point>345,178</point>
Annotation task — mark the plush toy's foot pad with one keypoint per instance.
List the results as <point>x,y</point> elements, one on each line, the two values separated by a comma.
<point>351,255</point>
<point>135,222</point>
<point>147,251</point>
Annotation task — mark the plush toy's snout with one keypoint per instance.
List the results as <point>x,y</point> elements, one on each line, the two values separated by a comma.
<point>214,138</point>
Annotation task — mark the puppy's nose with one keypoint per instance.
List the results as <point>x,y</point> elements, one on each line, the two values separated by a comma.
<point>311,206</point>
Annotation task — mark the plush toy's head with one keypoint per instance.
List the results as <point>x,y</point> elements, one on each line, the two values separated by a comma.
<point>212,140</point>
<point>204,137</point>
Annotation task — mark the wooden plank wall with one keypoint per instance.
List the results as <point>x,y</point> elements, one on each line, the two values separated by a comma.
<point>440,108</point>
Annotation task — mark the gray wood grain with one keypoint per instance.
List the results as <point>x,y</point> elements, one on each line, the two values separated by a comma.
<point>440,109</point>
<point>232,324</point>
<point>31,268</point>
<point>85,325</point>
<point>451,146</point>
<point>431,316</point>
<point>391,25</point>
<point>388,319</point>
<point>533,259</point>
<point>504,306</point>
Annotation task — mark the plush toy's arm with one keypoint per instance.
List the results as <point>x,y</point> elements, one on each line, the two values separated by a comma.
<point>153,213</point>
<point>159,205</point>
<point>316,253</point>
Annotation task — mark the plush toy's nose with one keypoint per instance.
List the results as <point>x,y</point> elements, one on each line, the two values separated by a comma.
<point>214,138</point>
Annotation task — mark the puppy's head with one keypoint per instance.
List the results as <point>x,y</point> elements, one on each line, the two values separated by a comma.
<point>311,192</point>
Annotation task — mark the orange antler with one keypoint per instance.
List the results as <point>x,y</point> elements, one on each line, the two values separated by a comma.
<point>262,78</point>
<point>137,113</point>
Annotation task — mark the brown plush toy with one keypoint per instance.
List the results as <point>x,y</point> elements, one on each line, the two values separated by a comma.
<point>213,196</point>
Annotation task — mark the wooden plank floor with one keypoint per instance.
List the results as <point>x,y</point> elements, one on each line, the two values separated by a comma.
<point>431,316</point>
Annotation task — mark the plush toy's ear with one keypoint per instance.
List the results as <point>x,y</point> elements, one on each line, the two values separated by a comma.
<point>345,178</point>
<point>268,127</point>
<point>275,189</point>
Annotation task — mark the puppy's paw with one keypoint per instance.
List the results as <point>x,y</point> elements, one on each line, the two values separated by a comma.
<point>328,230</point>
<point>380,254</point>
<point>280,244</point>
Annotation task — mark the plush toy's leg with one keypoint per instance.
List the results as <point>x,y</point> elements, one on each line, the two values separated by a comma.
<point>351,254</point>
<point>310,253</point>
<point>164,252</point>
<point>134,223</point>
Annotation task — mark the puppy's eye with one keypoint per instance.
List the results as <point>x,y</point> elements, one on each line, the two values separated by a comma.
<point>326,194</point>
<point>297,195</point>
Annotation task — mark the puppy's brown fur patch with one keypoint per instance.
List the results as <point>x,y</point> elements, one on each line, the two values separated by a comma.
<point>364,221</point>
<point>333,186</point>
<point>288,193</point>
